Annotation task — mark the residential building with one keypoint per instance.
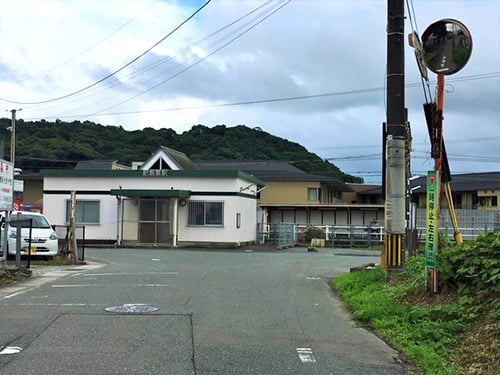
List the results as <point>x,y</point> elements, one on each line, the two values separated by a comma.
<point>294,196</point>
<point>469,191</point>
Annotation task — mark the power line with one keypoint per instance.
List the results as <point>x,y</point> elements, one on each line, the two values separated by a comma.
<point>116,71</point>
<point>272,100</point>
<point>149,67</point>
<point>88,48</point>
<point>197,62</point>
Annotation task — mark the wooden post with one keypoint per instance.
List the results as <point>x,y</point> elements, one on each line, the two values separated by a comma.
<point>72,244</point>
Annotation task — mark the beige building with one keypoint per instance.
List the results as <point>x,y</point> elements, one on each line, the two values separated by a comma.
<point>293,196</point>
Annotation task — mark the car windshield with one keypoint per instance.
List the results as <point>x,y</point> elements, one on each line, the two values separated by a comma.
<point>37,221</point>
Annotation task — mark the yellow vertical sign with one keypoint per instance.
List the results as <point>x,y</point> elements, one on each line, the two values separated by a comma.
<point>432,219</point>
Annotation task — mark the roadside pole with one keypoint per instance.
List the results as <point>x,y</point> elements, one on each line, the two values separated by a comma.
<point>445,49</point>
<point>395,144</point>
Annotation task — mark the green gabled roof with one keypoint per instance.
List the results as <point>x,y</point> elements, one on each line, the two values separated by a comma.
<point>179,157</point>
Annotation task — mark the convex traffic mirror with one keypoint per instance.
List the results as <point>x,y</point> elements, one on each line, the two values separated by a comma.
<point>447,46</point>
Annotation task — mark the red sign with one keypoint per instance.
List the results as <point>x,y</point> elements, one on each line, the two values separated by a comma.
<point>17,205</point>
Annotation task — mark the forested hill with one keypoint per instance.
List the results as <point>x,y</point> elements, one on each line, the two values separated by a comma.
<point>43,144</point>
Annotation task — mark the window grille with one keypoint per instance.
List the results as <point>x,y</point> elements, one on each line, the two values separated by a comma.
<point>86,211</point>
<point>206,213</point>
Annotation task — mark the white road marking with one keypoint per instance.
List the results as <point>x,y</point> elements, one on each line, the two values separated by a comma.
<point>130,273</point>
<point>39,297</point>
<point>60,304</point>
<point>13,294</point>
<point>103,285</point>
<point>306,355</point>
<point>313,278</point>
<point>11,350</point>
<point>43,278</point>
<point>155,260</point>
<point>77,285</point>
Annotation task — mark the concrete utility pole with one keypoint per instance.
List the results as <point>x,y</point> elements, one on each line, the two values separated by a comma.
<point>395,142</point>
<point>13,137</point>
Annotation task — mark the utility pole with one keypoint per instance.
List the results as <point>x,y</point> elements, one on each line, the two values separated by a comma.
<point>395,143</point>
<point>13,136</point>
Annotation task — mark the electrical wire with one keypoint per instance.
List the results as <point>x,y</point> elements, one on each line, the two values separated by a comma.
<point>119,69</point>
<point>270,100</point>
<point>88,48</point>
<point>257,17</point>
<point>196,62</point>
<point>413,23</point>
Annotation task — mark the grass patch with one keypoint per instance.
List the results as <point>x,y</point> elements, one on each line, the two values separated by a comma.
<point>430,329</point>
<point>10,276</point>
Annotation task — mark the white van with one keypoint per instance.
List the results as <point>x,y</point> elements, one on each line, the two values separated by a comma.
<point>44,239</point>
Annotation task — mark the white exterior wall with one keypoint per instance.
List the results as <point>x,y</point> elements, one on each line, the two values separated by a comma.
<point>228,233</point>
<point>54,207</point>
<point>110,220</point>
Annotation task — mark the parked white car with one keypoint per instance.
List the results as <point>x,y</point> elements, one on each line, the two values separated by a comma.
<point>44,239</point>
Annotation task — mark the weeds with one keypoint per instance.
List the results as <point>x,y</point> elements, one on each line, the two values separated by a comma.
<point>451,333</point>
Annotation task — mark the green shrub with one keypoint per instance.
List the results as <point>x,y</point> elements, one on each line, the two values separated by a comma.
<point>310,232</point>
<point>473,268</point>
<point>427,328</point>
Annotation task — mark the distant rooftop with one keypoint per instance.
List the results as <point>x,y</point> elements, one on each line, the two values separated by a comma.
<point>100,164</point>
<point>270,170</point>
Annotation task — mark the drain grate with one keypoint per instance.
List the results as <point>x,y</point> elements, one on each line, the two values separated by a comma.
<point>131,309</point>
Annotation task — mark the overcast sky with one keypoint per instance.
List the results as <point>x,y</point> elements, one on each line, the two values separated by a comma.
<point>55,56</point>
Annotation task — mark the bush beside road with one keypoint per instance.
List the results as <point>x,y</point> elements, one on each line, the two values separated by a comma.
<point>456,331</point>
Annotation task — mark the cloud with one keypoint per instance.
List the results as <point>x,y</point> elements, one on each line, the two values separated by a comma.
<point>304,49</point>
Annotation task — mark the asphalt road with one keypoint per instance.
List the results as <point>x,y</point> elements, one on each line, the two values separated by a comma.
<point>185,312</point>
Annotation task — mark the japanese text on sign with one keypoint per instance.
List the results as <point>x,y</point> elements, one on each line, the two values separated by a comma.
<point>6,185</point>
<point>432,221</point>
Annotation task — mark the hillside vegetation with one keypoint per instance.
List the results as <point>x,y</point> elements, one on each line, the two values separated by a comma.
<point>43,144</point>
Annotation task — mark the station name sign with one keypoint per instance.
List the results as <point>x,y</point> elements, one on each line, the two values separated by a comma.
<point>155,173</point>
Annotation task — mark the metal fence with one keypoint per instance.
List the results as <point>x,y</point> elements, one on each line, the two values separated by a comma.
<point>287,235</point>
<point>472,223</point>
<point>280,235</point>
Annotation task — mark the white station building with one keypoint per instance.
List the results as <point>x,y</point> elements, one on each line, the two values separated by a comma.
<point>165,202</point>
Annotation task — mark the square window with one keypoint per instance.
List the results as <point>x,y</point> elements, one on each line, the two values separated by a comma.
<point>206,213</point>
<point>313,194</point>
<point>86,211</point>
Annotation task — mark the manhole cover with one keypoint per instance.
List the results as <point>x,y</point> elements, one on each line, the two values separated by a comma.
<point>131,309</point>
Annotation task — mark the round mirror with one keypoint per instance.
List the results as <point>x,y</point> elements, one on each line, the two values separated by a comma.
<point>447,46</point>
